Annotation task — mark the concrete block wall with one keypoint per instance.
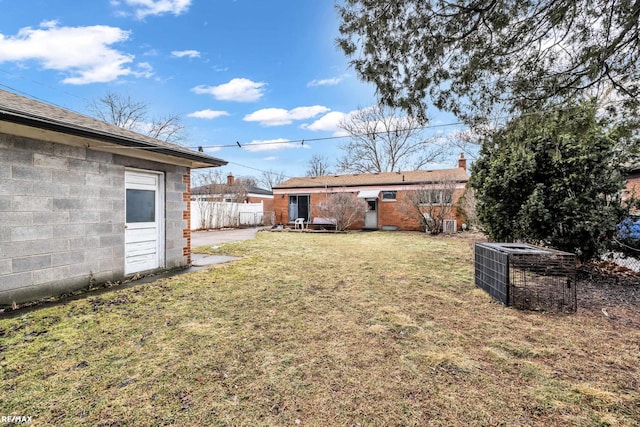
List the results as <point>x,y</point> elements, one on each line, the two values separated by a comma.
<point>62,217</point>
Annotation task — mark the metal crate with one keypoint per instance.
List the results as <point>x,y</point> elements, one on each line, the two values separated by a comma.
<point>527,277</point>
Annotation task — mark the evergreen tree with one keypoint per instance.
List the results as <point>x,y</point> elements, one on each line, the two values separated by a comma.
<point>553,178</point>
<point>471,56</point>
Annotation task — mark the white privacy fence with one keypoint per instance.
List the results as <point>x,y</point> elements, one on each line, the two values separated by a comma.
<point>207,215</point>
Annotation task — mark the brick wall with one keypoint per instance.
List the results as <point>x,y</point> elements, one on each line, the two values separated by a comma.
<point>186,216</point>
<point>267,203</point>
<point>633,187</point>
<point>62,217</point>
<point>389,212</point>
<point>280,206</point>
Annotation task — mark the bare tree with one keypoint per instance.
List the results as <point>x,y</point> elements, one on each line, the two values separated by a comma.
<point>466,207</point>
<point>272,178</point>
<point>217,198</point>
<point>127,113</point>
<point>430,205</point>
<point>167,128</point>
<point>318,166</point>
<point>344,208</point>
<point>467,141</point>
<point>383,141</point>
<point>204,194</point>
<point>215,186</point>
<point>248,181</point>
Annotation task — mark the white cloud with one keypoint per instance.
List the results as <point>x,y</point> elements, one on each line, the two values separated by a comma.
<point>187,53</point>
<point>207,114</point>
<point>327,82</point>
<point>331,122</point>
<point>271,158</point>
<point>328,123</point>
<point>145,70</point>
<point>280,116</point>
<point>239,90</point>
<point>270,145</point>
<point>49,24</point>
<point>144,8</point>
<point>82,52</point>
<point>302,113</point>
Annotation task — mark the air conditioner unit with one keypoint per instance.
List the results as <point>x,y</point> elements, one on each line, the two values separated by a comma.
<point>449,226</point>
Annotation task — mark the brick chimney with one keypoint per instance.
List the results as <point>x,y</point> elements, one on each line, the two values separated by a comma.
<point>462,162</point>
<point>230,179</point>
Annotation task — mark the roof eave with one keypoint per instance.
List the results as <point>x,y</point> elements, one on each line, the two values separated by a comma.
<point>456,181</point>
<point>196,160</point>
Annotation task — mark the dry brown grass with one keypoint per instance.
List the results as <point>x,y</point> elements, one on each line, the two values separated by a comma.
<point>318,330</point>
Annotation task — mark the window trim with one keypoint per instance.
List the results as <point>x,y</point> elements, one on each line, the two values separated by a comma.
<point>388,199</point>
<point>438,202</point>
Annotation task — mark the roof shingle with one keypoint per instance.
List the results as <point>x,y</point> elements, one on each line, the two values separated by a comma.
<point>383,178</point>
<point>20,109</point>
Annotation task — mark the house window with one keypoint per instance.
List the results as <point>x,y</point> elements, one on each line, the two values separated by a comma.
<point>388,195</point>
<point>435,197</point>
<point>299,207</point>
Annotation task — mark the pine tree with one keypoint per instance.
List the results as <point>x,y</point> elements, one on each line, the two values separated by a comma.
<point>553,178</point>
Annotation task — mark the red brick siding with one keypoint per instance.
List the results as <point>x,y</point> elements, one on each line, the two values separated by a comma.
<point>633,186</point>
<point>267,203</point>
<point>280,206</point>
<point>186,215</point>
<point>389,212</point>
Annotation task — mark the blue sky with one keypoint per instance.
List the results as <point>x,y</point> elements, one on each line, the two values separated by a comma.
<point>234,70</point>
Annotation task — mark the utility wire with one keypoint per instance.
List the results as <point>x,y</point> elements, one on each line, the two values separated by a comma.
<point>293,141</point>
<point>326,138</point>
<point>39,84</point>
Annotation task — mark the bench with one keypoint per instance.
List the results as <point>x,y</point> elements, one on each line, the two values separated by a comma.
<point>323,223</point>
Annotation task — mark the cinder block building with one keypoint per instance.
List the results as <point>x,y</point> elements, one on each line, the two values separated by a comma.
<point>84,202</point>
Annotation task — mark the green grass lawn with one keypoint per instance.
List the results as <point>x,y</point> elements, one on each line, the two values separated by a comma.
<point>310,329</point>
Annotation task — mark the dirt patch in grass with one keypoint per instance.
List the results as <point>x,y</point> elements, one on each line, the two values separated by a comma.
<point>609,292</point>
<point>320,329</point>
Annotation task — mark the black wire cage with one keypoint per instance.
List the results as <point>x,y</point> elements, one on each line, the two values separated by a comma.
<point>527,277</point>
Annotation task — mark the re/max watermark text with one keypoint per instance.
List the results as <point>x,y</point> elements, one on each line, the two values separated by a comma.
<point>16,419</point>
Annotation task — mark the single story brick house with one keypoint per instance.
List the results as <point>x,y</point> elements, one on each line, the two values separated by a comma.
<point>384,192</point>
<point>84,202</point>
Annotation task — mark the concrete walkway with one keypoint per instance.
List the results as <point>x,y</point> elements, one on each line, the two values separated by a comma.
<point>213,238</point>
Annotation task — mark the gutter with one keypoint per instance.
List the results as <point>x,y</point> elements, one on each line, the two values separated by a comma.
<point>456,181</point>
<point>65,128</point>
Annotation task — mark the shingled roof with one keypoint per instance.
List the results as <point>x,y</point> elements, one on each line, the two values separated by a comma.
<point>21,110</point>
<point>458,175</point>
<point>225,188</point>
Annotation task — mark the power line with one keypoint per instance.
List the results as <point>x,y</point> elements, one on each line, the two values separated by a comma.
<point>39,84</point>
<point>289,141</point>
<point>326,138</point>
<point>336,137</point>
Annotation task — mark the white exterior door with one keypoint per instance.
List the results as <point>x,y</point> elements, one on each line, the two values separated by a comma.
<point>371,217</point>
<point>144,220</point>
